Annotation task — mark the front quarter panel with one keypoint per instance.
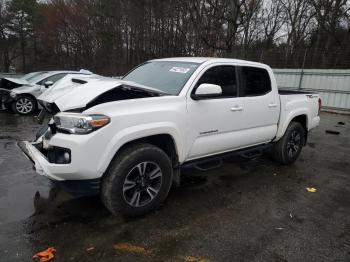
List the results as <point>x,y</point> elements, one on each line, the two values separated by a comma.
<point>33,90</point>
<point>135,119</point>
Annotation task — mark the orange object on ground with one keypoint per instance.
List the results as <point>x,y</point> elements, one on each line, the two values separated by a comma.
<point>45,255</point>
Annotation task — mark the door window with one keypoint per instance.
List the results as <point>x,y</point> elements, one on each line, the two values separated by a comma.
<point>255,81</point>
<point>224,76</point>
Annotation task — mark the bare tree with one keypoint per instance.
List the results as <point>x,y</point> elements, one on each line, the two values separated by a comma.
<point>251,23</point>
<point>298,15</point>
<point>110,36</point>
<point>272,22</point>
<point>329,15</point>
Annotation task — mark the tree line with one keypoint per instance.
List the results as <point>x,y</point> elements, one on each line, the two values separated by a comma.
<point>111,36</point>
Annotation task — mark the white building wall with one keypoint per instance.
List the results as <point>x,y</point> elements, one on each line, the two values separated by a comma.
<point>332,85</point>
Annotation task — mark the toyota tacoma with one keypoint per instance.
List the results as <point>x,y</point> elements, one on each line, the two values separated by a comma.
<point>127,139</point>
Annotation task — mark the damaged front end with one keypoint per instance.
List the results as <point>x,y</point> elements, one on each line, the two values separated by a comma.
<point>48,110</point>
<point>77,101</point>
<point>92,94</point>
<point>44,158</point>
<point>6,94</point>
<point>54,151</point>
<point>54,155</point>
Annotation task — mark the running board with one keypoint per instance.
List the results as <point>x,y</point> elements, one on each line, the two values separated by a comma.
<point>251,154</point>
<point>204,163</point>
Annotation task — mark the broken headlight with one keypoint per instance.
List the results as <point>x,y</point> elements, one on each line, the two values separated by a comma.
<point>73,123</point>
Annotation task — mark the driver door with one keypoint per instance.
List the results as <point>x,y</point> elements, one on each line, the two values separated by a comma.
<point>213,121</point>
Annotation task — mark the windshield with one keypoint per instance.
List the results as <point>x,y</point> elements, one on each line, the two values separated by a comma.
<point>30,76</point>
<point>167,76</point>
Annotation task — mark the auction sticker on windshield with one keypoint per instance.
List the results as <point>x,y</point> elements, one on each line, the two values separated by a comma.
<point>181,70</point>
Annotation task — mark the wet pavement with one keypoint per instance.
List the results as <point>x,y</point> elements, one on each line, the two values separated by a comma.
<point>245,210</point>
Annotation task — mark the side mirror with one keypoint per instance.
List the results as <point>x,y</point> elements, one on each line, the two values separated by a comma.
<point>205,91</point>
<point>48,84</point>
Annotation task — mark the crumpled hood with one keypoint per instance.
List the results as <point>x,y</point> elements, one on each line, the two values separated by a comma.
<point>81,95</point>
<point>12,84</point>
<point>50,96</point>
<point>17,81</point>
<point>62,89</point>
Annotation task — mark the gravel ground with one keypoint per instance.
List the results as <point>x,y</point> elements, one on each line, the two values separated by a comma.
<point>253,210</point>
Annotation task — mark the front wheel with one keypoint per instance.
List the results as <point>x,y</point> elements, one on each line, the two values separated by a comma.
<point>24,105</point>
<point>288,148</point>
<point>138,180</point>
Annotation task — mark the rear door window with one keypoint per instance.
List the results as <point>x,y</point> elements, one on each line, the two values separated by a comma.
<point>255,81</point>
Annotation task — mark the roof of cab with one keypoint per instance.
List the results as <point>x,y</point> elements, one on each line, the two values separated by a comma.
<point>201,60</point>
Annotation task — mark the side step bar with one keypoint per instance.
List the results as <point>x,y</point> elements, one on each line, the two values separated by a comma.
<point>216,161</point>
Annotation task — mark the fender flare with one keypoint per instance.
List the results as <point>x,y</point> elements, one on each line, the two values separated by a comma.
<point>138,132</point>
<point>290,116</point>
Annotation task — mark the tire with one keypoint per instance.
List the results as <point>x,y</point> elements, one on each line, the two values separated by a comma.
<point>24,105</point>
<point>125,192</point>
<point>288,148</point>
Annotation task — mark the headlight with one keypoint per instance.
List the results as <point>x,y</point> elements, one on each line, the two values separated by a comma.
<point>13,94</point>
<point>73,123</point>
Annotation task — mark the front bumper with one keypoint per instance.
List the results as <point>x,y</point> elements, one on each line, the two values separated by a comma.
<point>41,164</point>
<point>42,167</point>
<point>5,97</point>
<point>48,155</point>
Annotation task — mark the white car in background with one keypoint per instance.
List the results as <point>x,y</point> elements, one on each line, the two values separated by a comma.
<point>20,94</point>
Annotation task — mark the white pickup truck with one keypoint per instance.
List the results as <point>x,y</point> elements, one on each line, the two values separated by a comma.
<point>128,139</point>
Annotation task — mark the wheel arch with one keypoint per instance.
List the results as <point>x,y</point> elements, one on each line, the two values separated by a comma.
<point>26,94</point>
<point>300,117</point>
<point>164,141</point>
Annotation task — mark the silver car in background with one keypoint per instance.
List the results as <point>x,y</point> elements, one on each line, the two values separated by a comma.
<point>20,94</point>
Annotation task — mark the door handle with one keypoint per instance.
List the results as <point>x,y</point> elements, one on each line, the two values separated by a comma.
<point>272,105</point>
<point>237,108</point>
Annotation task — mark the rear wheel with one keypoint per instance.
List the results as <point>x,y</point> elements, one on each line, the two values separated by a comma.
<point>138,180</point>
<point>288,148</point>
<point>24,105</point>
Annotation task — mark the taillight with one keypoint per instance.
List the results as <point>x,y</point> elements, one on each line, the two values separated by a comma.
<point>319,105</point>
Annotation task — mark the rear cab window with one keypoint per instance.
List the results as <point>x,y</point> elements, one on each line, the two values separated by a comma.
<point>255,81</point>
